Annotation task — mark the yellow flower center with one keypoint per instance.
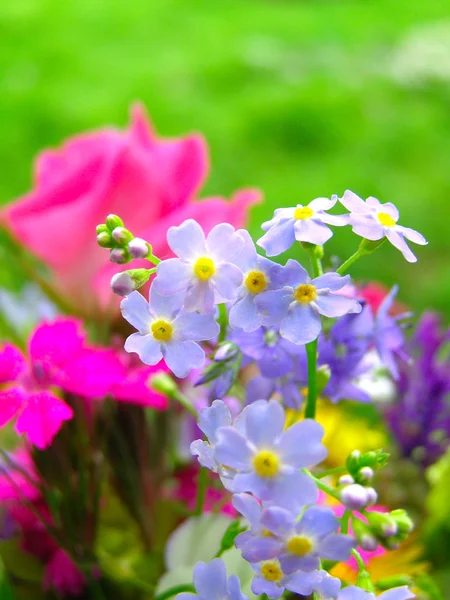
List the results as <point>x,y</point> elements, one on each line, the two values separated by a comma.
<point>162,330</point>
<point>303,212</point>
<point>256,282</point>
<point>204,268</point>
<point>305,293</point>
<point>266,463</point>
<point>386,220</point>
<point>271,570</point>
<point>299,545</point>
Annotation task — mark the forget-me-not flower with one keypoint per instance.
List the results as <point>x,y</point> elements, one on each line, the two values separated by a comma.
<point>373,221</point>
<point>389,338</point>
<point>166,330</point>
<point>298,305</point>
<point>302,223</point>
<point>270,579</point>
<point>260,274</point>
<point>267,458</point>
<point>211,583</point>
<point>204,269</point>
<point>356,593</point>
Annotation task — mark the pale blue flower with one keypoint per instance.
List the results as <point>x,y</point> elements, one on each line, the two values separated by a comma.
<point>204,270</point>
<point>298,306</point>
<point>266,458</point>
<point>356,593</point>
<point>211,583</point>
<point>389,338</point>
<point>373,221</point>
<point>301,223</point>
<point>166,330</point>
<point>270,579</point>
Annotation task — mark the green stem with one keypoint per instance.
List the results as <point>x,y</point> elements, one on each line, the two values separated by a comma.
<point>359,560</point>
<point>184,401</point>
<point>328,472</point>
<point>365,247</point>
<point>173,591</point>
<point>202,486</point>
<point>223,322</point>
<point>311,352</point>
<point>348,263</point>
<point>344,521</point>
<point>154,259</point>
<point>323,486</point>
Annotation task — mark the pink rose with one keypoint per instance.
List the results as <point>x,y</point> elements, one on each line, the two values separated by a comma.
<point>151,183</point>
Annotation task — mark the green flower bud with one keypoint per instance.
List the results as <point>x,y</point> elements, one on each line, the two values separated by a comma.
<point>382,524</point>
<point>104,240</point>
<point>126,282</point>
<point>364,535</point>
<point>404,523</point>
<point>162,382</point>
<point>113,221</point>
<point>122,236</point>
<point>100,228</point>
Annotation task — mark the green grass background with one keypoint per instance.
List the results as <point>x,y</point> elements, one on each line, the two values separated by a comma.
<point>299,98</point>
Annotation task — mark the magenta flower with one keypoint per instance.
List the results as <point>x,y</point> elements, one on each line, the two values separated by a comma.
<point>373,221</point>
<point>63,576</point>
<point>58,356</point>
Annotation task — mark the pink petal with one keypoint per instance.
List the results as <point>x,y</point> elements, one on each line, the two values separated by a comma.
<point>12,363</point>
<point>57,342</point>
<point>20,486</point>
<point>42,418</point>
<point>11,401</point>
<point>135,388</point>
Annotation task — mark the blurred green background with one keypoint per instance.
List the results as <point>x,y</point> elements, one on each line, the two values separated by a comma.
<point>299,98</point>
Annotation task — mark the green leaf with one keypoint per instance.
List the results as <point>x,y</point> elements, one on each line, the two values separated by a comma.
<point>233,530</point>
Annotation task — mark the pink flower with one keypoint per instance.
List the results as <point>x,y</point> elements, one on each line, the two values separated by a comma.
<point>14,486</point>
<point>62,575</point>
<point>152,183</point>
<point>57,356</point>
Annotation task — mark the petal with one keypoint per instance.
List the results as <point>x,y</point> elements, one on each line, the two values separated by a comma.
<point>264,423</point>
<point>42,418</point>
<point>187,596</point>
<point>234,589</point>
<point>182,357</point>
<point>135,310</point>
<point>164,306</point>
<point>387,208</point>
<point>336,220</point>
<point>322,203</point>
<point>11,401</point>
<point>293,274</point>
<point>412,235</point>
<point>172,276</point>
<point>148,349</point>
<point>356,593</point>
<point>232,449</point>
<point>278,238</point>
<point>262,586</point>
<point>273,305</point>
<point>187,240</point>
<point>294,491</point>
<point>312,231</point>
<point>223,243</point>
<point>353,203</point>
<point>227,280</point>
<point>302,583</point>
<point>319,521</point>
<point>259,388</point>
<point>244,314</point>
<point>331,281</point>
<point>12,363</point>
<point>200,297</point>
<point>211,418</point>
<point>276,362</point>
<point>301,444</point>
<point>278,521</point>
<point>247,257</point>
<point>249,508</point>
<point>397,240</point>
<point>204,453</point>
<point>261,548</point>
<point>195,327</point>
<point>337,547</point>
<point>301,325</point>
<point>334,305</point>
<point>45,343</point>
<point>210,579</point>
<point>398,593</point>
<point>367,227</point>
<point>291,563</point>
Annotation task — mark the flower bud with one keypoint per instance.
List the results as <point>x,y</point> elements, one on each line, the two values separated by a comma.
<point>372,496</point>
<point>404,522</point>
<point>113,221</point>
<point>101,228</point>
<point>119,256</point>
<point>354,496</point>
<point>122,236</point>
<point>104,240</point>
<point>382,524</point>
<point>364,536</point>
<point>226,351</point>
<point>162,382</point>
<point>139,248</point>
<point>346,480</point>
<point>126,282</point>
<point>365,475</point>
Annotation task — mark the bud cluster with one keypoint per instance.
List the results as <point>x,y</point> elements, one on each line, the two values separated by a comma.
<point>386,529</point>
<point>124,247</point>
<point>356,490</point>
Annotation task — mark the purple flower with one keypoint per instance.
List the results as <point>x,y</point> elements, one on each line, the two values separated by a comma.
<point>327,587</point>
<point>204,270</point>
<point>301,223</point>
<point>260,274</point>
<point>267,458</point>
<point>389,338</point>
<point>356,593</point>
<point>270,579</point>
<point>290,389</point>
<point>373,221</point>
<point>298,544</point>
<point>211,583</point>
<point>274,356</point>
<point>298,306</point>
<point>166,330</point>
<point>210,420</point>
